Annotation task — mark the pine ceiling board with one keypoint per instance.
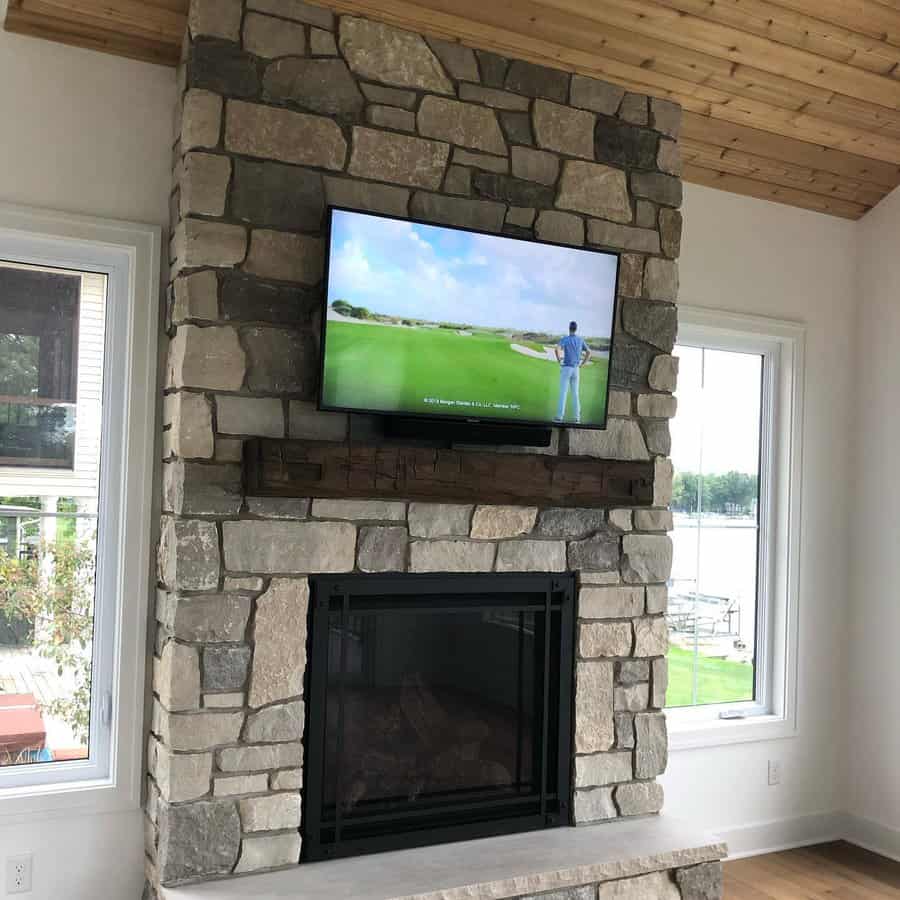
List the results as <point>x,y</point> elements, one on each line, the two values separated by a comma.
<point>785,26</point>
<point>737,162</point>
<point>575,42</point>
<point>125,17</point>
<point>749,187</point>
<point>865,16</point>
<point>692,33</point>
<point>19,21</point>
<point>801,153</point>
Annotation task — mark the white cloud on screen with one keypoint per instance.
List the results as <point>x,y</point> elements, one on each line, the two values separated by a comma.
<point>403,269</point>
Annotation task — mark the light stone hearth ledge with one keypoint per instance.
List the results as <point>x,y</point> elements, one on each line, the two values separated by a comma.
<point>487,869</point>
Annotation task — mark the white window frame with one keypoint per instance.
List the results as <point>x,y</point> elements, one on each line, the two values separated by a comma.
<point>773,714</point>
<point>129,254</point>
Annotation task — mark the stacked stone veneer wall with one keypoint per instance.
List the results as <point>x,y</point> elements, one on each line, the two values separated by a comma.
<point>284,108</point>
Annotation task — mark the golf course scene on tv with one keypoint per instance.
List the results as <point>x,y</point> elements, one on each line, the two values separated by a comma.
<point>426,320</point>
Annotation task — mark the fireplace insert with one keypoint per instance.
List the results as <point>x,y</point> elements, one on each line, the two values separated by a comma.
<point>438,709</point>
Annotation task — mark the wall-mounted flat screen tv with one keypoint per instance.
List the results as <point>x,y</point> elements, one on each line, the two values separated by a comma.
<point>429,320</point>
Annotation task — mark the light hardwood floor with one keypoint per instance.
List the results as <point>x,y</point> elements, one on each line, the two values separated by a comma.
<point>835,871</point>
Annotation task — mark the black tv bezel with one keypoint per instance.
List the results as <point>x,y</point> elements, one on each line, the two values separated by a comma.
<point>465,420</point>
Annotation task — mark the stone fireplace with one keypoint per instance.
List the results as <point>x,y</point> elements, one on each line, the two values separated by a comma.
<point>286,108</point>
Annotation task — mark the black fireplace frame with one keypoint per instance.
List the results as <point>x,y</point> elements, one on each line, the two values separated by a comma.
<point>329,593</point>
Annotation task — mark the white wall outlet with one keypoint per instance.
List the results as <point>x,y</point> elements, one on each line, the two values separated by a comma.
<point>774,771</point>
<point>18,874</point>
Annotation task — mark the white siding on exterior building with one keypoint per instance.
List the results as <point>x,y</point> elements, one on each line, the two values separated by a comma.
<point>25,481</point>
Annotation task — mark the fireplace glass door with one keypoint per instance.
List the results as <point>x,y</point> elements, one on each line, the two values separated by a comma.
<point>439,709</point>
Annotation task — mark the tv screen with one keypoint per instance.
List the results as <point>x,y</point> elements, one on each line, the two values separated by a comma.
<point>427,320</point>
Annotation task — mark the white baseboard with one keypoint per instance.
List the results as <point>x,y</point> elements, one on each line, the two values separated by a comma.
<point>872,835</point>
<point>783,834</point>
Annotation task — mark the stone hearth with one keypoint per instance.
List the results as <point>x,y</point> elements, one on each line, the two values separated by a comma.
<point>285,108</point>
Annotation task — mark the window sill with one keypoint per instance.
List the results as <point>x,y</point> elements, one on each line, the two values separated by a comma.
<point>721,732</point>
<point>100,795</point>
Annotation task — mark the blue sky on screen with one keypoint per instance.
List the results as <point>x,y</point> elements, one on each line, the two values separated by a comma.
<point>399,268</point>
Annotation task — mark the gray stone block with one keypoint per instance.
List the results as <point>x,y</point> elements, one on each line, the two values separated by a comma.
<point>633,671</point>
<point>559,227</point>
<point>625,145</point>
<point>271,38</point>
<point>451,556</point>
<point>670,222</point>
<point>646,557</point>
<point>632,698</point>
<point>668,159</point>
<point>247,298</point>
<point>188,556</point>
<point>703,882</point>
<point>493,68</point>
<point>517,127</point>
<point>399,158</point>
<point>289,547</point>
<point>654,323</point>
<point>377,93</point>
<point>511,190</point>
<point>622,439</point>
<point>205,617</point>
<point>594,805</point>
<point>198,489</point>
<point>651,636</point>
<point>535,165</point>
<point>322,43</point>
<point>278,507</point>
<point>563,129</point>
<point>256,416</point>
<point>197,243</point>
<point>458,60</point>
<point>615,602</point>
<point>596,554</point>
<point>382,53</point>
<point>382,549</point>
<point>623,237</point>
<point>223,68</point>
<point>198,839</point>
<point>280,811</point>
<point>604,639</point>
<point>640,798</point>
<point>458,181</point>
<point>665,117</point>
<point>492,522</point>
<point>663,189</point>
<point>630,363</point>
<point>631,275</point>
<point>203,184</point>
<point>225,668</point>
<point>260,758</point>
<point>320,85</point>
<point>391,117</point>
<point>274,195</point>
<point>268,852</point>
<point>484,215</point>
<point>661,280</point>
<point>651,748</point>
<point>252,129</point>
<point>367,510</point>
<point>459,123</point>
<point>280,361</point>
<point>538,81</point>
<point>201,119</point>
<point>569,522</point>
<point>210,358</point>
<point>531,556</point>
<point>476,93</point>
<point>633,109</point>
<point>594,189</point>
<point>286,257</point>
<point>282,722</point>
<point>480,161</point>
<point>298,10</point>
<point>599,96</point>
<point>601,769</point>
<point>432,520</point>
<point>657,406</point>
<point>624,731</point>
<point>594,728</point>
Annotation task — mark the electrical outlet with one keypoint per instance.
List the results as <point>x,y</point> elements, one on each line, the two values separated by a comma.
<point>18,874</point>
<point>774,771</point>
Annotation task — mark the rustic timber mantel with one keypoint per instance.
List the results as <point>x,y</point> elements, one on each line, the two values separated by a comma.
<point>297,468</point>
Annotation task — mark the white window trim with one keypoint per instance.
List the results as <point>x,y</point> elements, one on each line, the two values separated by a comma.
<point>774,715</point>
<point>130,254</point>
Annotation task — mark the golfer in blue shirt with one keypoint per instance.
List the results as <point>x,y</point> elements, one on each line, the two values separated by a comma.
<point>571,353</point>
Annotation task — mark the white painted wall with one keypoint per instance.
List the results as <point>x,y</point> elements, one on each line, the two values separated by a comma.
<point>752,256</point>
<point>85,133</point>
<point>872,732</point>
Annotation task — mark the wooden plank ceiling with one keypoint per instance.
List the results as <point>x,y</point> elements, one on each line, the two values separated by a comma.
<point>796,101</point>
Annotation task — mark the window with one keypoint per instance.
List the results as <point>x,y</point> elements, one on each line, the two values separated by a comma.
<point>735,451</point>
<point>77,361</point>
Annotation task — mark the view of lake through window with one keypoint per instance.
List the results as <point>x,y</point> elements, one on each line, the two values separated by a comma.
<point>52,332</point>
<point>714,585</point>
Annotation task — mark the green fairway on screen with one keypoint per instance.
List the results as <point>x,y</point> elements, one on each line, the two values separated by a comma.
<point>437,321</point>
